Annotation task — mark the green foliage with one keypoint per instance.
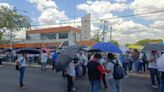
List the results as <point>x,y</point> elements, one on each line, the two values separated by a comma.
<point>147,41</point>
<point>115,42</point>
<point>11,20</point>
<point>1,37</point>
<point>97,37</point>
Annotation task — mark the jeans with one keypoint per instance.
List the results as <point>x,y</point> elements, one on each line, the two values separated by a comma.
<point>53,65</point>
<point>145,65</point>
<point>84,69</point>
<point>43,66</point>
<point>115,85</point>
<point>137,65</point>
<point>104,81</point>
<point>154,73</point>
<point>130,65</point>
<point>22,70</point>
<point>69,83</point>
<point>95,86</point>
<point>162,86</point>
<point>125,66</point>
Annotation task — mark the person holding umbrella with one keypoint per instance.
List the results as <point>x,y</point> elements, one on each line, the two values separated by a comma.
<point>153,68</point>
<point>71,75</point>
<point>22,62</point>
<point>160,67</point>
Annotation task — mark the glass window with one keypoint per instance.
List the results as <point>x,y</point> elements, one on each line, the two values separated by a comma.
<point>51,36</point>
<point>48,36</point>
<point>63,35</point>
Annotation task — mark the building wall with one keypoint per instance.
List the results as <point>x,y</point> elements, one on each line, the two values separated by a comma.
<point>85,28</point>
<point>36,38</point>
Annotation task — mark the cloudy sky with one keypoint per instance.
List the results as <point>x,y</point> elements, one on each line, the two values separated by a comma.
<point>49,13</point>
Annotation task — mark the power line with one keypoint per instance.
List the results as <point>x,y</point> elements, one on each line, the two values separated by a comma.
<point>124,16</point>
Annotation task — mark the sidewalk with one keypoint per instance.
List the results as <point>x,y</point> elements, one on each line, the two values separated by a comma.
<point>31,65</point>
<point>140,75</point>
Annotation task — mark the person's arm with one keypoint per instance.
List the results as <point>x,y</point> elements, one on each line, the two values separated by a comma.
<point>100,69</point>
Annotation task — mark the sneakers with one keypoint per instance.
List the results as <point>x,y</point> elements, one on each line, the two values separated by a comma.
<point>73,89</point>
<point>126,76</point>
<point>154,86</point>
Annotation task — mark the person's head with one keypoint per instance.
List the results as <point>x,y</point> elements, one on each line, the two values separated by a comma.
<point>110,56</point>
<point>154,52</point>
<point>24,54</point>
<point>97,57</point>
<point>44,51</point>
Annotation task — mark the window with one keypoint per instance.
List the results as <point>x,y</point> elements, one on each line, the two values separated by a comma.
<point>51,36</point>
<point>63,35</point>
<point>48,36</point>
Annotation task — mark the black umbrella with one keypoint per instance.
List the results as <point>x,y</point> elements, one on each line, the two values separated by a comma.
<point>62,62</point>
<point>70,52</point>
<point>28,50</point>
<point>153,47</point>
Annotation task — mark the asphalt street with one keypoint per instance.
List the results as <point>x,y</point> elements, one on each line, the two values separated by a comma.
<point>37,81</point>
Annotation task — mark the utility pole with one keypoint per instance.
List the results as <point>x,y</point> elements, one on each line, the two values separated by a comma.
<point>111,33</point>
<point>105,28</point>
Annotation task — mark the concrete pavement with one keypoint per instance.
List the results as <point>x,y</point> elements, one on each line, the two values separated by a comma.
<point>37,81</point>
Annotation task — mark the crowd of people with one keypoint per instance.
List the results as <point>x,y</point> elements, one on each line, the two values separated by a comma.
<point>102,68</point>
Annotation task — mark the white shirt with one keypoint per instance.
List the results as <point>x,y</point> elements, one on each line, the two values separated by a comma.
<point>110,67</point>
<point>44,57</point>
<point>22,62</point>
<point>70,70</point>
<point>152,64</point>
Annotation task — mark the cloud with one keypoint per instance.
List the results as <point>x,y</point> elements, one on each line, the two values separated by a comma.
<point>157,24</point>
<point>5,5</point>
<point>50,13</point>
<point>43,4</point>
<point>145,6</point>
<point>120,1</point>
<point>102,7</point>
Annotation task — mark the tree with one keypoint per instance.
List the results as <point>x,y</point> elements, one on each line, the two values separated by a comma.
<point>97,37</point>
<point>11,20</point>
<point>115,42</point>
<point>147,41</point>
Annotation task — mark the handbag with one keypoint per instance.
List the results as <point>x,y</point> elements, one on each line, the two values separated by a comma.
<point>17,67</point>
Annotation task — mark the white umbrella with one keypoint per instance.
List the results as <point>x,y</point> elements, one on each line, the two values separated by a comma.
<point>160,63</point>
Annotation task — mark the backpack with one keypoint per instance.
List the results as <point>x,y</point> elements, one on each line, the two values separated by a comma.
<point>118,72</point>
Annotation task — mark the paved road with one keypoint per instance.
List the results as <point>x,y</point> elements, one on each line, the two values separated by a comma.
<point>37,81</point>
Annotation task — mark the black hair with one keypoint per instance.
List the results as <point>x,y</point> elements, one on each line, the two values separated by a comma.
<point>110,56</point>
<point>97,56</point>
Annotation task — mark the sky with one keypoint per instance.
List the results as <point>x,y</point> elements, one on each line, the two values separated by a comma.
<point>52,13</point>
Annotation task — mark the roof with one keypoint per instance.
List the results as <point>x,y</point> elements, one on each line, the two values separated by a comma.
<point>40,45</point>
<point>54,30</point>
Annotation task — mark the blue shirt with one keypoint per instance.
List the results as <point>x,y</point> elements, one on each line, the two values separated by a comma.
<point>54,57</point>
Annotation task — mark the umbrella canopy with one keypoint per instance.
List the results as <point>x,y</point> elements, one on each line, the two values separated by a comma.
<point>107,47</point>
<point>160,63</point>
<point>28,50</point>
<point>153,47</point>
<point>133,46</point>
<point>62,62</point>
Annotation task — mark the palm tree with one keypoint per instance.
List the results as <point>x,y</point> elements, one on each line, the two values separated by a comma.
<point>11,20</point>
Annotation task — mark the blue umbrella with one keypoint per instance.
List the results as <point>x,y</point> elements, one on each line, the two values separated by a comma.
<point>107,47</point>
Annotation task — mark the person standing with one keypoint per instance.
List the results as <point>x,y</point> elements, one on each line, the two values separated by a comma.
<point>22,62</point>
<point>160,67</point>
<point>114,85</point>
<point>102,61</point>
<point>44,58</point>
<point>95,73</point>
<point>153,68</point>
<point>54,58</point>
<point>71,75</point>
